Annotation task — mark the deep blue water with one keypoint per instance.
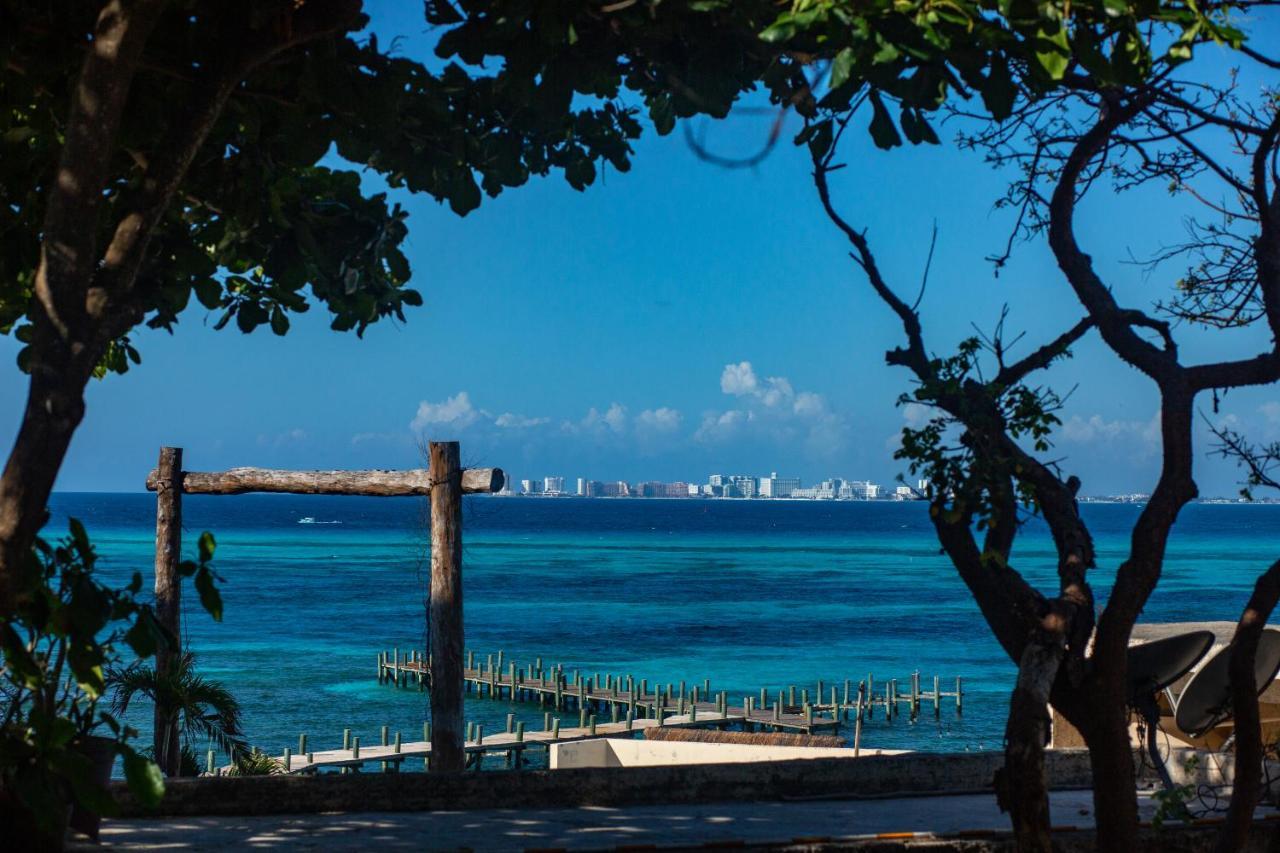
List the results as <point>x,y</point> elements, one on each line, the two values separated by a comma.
<point>747,594</point>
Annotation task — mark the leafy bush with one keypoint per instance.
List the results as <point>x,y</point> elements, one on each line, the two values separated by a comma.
<point>66,631</point>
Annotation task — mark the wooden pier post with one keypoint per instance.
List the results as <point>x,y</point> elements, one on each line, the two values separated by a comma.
<point>857,723</point>
<point>447,753</point>
<point>168,591</point>
<point>959,696</point>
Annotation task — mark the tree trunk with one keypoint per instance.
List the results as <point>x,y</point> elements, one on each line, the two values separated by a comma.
<point>1246,786</point>
<point>55,407</point>
<point>1024,789</point>
<point>1106,733</point>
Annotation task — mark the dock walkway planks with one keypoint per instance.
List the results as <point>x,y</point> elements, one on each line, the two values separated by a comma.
<point>509,742</point>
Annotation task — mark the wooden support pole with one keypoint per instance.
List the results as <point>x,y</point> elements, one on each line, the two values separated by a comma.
<point>447,753</point>
<point>168,590</point>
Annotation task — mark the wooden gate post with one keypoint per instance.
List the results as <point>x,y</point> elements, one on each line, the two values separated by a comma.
<point>168,593</point>
<point>447,752</point>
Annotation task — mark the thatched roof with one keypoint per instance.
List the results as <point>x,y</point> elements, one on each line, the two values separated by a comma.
<point>750,738</point>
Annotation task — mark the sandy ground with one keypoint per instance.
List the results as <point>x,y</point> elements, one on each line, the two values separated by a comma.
<point>587,827</point>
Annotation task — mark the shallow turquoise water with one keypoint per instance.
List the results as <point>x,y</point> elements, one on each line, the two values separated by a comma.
<point>747,594</point>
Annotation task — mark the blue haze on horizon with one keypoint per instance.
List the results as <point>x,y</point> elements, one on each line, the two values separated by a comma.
<point>670,322</point>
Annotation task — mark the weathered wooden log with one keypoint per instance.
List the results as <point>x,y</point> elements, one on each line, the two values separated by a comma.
<point>447,644</point>
<point>168,591</point>
<point>374,483</point>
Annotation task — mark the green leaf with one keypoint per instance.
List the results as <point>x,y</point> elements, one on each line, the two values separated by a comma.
<point>886,53</point>
<point>662,113</point>
<point>780,30</point>
<point>821,138</point>
<point>999,91</point>
<point>210,598</point>
<point>841,68</point>
<point>279,321</point>
<point>206,546</point>
<point>250,316</point>
<point>441,12</point>
<point>141,638</point>
<point>144,778</point>
<point>580,173</point>
<point>464,192</point>
<point>1052,50</point>
<point>883,133</point>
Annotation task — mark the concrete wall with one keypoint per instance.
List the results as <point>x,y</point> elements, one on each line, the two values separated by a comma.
<point>611,752</point>
<point>874,775</point>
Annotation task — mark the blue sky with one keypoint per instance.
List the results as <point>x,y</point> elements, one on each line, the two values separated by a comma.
<point>667,323</point>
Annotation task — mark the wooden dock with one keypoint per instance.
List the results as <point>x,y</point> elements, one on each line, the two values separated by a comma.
<point>609,706</point>
<point>790,709</point>
<point>513,742</point>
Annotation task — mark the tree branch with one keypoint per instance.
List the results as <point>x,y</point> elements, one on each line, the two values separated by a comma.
<point>125,253</point>
<point>68,247</point>
<point>1114,323</point>
<point>1012,374</point>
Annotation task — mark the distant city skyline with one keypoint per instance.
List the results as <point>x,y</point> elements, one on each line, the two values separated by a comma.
<point>741,486</point>
<point>764,487</point>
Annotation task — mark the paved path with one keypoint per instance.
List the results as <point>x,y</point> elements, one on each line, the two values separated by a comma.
<point>587,827</point>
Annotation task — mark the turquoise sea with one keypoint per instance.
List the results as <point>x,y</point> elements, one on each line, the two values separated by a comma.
<point>749,594</point>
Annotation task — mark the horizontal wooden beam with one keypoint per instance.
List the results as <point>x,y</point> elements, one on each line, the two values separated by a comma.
<point>238,481</point>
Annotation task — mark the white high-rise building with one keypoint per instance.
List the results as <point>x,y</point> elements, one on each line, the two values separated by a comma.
<point>530,487</point>
<point>582,487</point>
<point>774,486</point>
<point>860,490</point>
<point>553,485</point>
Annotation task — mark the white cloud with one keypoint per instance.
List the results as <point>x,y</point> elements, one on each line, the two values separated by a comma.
<point>293,436</point>
<point>1271,411</point>
<point>614,418</point>
<point>456,412</point>
<point>772,409</point>
<point>917,415</point>
<point>1099,429</point>
<point>809,405</point>
<point>739,379</point>
<point>507,420</point>
<point>664,419</point>
<point>720,426</point>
